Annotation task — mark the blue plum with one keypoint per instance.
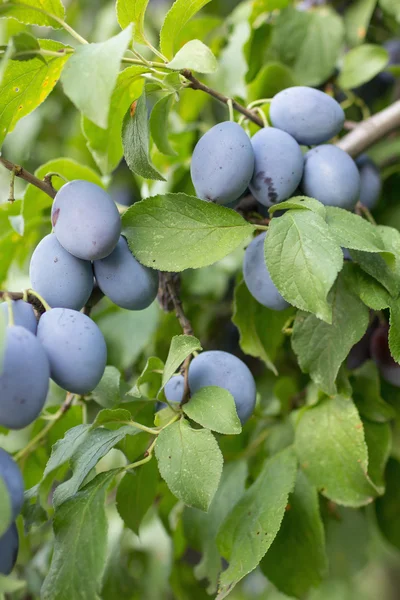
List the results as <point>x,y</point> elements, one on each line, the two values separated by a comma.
<point>75,348</point>
<point>222,163</point>
<point>226,371</point>
<point>9,545</point>
<point>257,277</point>
<point>331,176</point>
<point>12,477</point>
<point>310,116</point>
<point>173,391</point>
<point>24,380</point>
<point>63,280</point>
<point>371,182</point>
<point>86,220</point>
<point>124,280</point>
<point>278,166</point>
<point>23,313</point>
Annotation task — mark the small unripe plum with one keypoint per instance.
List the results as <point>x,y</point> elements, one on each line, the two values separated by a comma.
<point>370,181</point>
<point>331,176</point>
<point>85,220</point>
<point>23,314</point>
<point>24,380</point>
<point>379,346</point>
<point>310,116</point>
<point>257,277</point>
<point>63,280</point>
<point>217,368</point>
<point>222,163</point>
<point>75,348</point>
<point>9,545</point>
<point>124,280</point>
<point>12,477</point>
<point>278,166</point>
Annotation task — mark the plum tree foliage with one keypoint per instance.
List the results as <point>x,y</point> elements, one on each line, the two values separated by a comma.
<point>199,318</point>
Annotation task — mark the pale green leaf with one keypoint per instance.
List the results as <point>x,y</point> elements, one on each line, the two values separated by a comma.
<point>195,56</point>
<point>181,347</point>
<point>367,394</point>
<point>111,415</point>
<point>361,64</point>
<point>353,232</point>
<point>190,462</point>
<point>136,494</point>
<point>332,452</point>
<point>303,260</point>
<point>251,527</point>
<point>133,11</point>
<point>152,375</point>
<point>300,202</point>
<point>214,408</point>
<point>91,75</point>
<point>34,12</point>
<point>356,20</point>
<point>174,232</point>
<point>159,124</point>
<point>175,20</point>
<point>65,448</point>
<point>108,392</point>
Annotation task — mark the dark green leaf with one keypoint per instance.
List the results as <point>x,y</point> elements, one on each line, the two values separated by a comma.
<point>136,493</point>
<point>26,47</point>
<point>159,124</point>
<point>367,394</point>
<point>372,293</point>
<point>387,507</point>
<point>378,437</point>
<point>394,331</point>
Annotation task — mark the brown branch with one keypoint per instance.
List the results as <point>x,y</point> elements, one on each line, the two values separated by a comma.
<point>195,84</point>
<point>22,173</point>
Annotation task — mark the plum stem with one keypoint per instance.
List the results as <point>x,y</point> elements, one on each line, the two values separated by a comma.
<point>10,309</point>
<point>40,298</point>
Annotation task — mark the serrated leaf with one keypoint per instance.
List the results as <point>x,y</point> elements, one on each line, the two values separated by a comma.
<point>303,260</point>
<point>106,144</point>
<point>214,408</point>
<point>159,124</point>
<point>378,437</point>
<point>175,20</point>
<point>190,462</point>
<point>353,232</point>
<point>26,13</point>
<point>361,64</point>
<point>174,232</point>
<point>26,84</point>
<point>108,392</point>
<point>80,550</point>
<point>394,330</point>
<point>260,328</point>
<point>300,202</point>
<point>230,489</point>
<point>331,448</point>
<point>5,507</point>
<point>196,56</point>
<point>98,65</point>
<point>322,347</point>
<point>132,11</point>
<point>180,348</point>
<point>296,561</point>
<point>367,394</point>
<point>151,374</point>
<point>135,140</point>
<point>136,493</point>
<point>387,507</point>
<point>250,528</point>
<point>109,415</point>
<point>96,444</point>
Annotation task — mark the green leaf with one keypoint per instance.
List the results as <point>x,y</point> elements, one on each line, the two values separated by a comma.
<point>214,408</point>
<point>135,140</point>
<point>26,47</point>
<point>378,437</point>
<point>99,66</point>
<point>321,347</point>
<point>80,550</point>
<point>133,11</point>
<point>299,202</point>
<point>206,525</point>
<point>152,375</point>
<point>372,293</point>
<point>109,415</point>
<point>308,42</point>
<point>66,447</point>
<point>347,543</point>
<point>259,327</point>
<point>272,78</point>
<point>195,56</point>
<point>9,585</point>
<point>175,20</point>
<point>26,84</point>
<point>40,12</point>
<point>303,260</point>
<point>367,394</point>
<point>190,462</point>
<point>332,452</point>
<point>394,330</point>
<point>181,347</point>
<point>106,144</point>
<point>387,507</point>
<point>174,232</point>
<point>159,124</point>
<point>356,20</point>
<point>361,64</point>
<point>252,525</point>
<point>96,444</point>
<point>136,493</point>
<point>391,7</point>
<point>353,232</point>
<point>296,561</point>
<point>5,507</point>
<point>108,392</point>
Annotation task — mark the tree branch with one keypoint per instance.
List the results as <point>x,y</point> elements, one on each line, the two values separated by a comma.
<point>370,131</point>
<point>22,173</point>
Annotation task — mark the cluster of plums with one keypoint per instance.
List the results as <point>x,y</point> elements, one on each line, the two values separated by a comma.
<point>274,166</point>
<point>14,485</point>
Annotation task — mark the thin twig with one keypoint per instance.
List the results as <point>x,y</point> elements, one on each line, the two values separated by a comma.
<point>22,173</point>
